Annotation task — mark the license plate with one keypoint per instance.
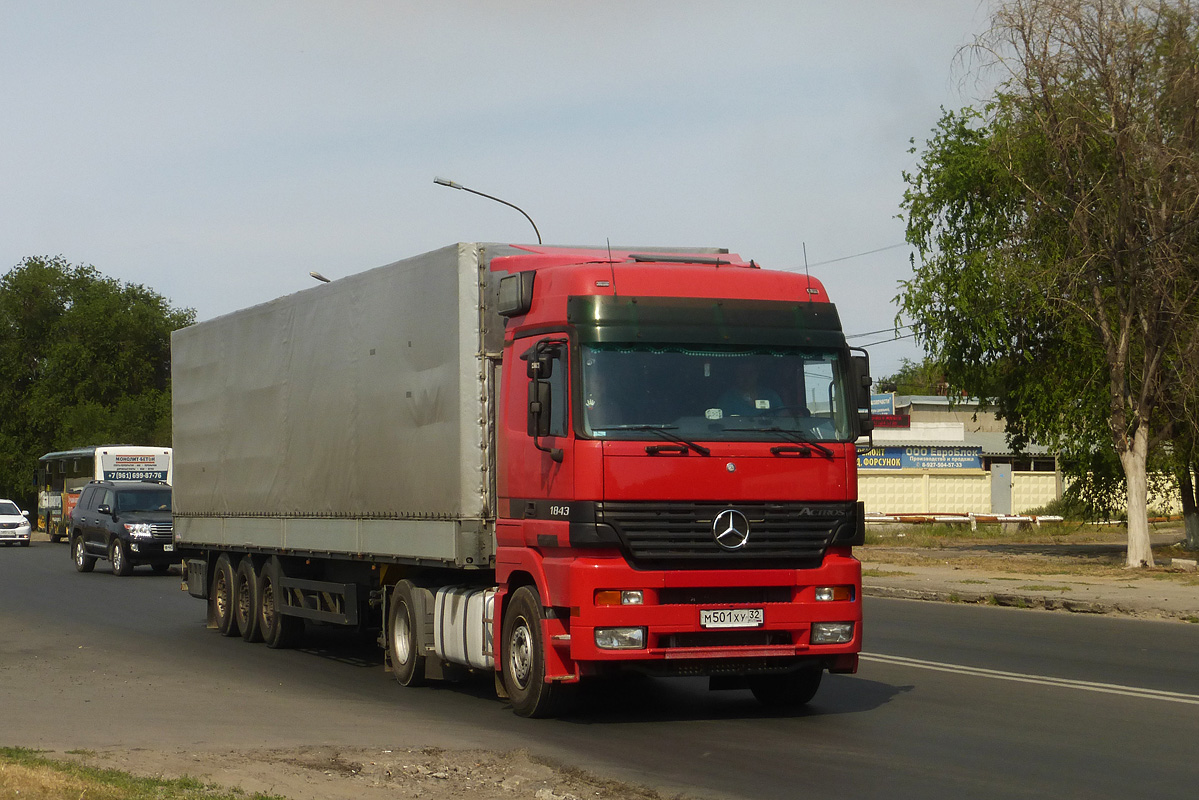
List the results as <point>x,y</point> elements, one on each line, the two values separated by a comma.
<point>168,548</point>
<point>731,617</point>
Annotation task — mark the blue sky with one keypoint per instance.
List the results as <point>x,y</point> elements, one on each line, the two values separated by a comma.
<point>218,151</point>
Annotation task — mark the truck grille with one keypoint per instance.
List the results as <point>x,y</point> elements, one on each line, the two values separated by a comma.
<point>788,535</point>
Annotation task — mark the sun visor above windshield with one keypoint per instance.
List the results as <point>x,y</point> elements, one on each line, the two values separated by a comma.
<point>673,319</point>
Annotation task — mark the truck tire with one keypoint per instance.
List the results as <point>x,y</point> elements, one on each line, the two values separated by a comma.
<point>118,557</point>
<point>791,690</point>
<point>245,600</point>
<point>83,562</point>
<point>523,665</point>
<point>403,645</point>
<point>222,597</point>
<point>279,631</point>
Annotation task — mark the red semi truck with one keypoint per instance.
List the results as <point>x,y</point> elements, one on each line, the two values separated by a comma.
<point>540,462</point>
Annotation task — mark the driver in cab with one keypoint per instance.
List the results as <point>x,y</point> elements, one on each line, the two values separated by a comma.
<point>747,398</point>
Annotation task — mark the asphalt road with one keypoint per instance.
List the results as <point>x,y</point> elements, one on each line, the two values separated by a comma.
<point>951,701</point>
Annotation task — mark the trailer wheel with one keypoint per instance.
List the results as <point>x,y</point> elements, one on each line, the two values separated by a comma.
<point>791,690</point>
<point>222,597</point>
<point>83,562</point>
<point>245,600</point>
<point>523,665</point>
<point>407,662</point>
<point>118,556</point>
<point>279,631</point>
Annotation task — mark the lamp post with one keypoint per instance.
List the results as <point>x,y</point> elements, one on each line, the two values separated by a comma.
<point>452,185</point>
<point>320,277</point>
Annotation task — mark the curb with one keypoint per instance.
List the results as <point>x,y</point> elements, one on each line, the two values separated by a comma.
<point>1020,601</point>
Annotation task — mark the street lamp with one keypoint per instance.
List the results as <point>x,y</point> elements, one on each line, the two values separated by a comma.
<point>320,277</point>
<point>452,185</point>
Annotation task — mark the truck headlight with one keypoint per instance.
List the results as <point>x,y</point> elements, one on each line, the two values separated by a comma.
<point>616,597</point>
<point>827,593</point>
<point>832,632</point>
<point>620,638</point>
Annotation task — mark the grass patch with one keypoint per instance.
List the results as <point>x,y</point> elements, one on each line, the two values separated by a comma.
<point>970,580</point>
<point>872,572</point>
<point>28,775</point>
<point>1041,587</point>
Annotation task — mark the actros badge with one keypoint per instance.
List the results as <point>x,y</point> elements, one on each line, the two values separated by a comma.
<point>731,529</point>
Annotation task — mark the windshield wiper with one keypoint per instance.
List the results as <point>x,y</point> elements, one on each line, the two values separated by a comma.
<point>662,430</point>
<point>794,436</point>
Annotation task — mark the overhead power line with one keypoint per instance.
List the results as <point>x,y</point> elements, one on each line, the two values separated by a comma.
<point>859,255</point>
<point>875,333</point>
<point>892,339</point>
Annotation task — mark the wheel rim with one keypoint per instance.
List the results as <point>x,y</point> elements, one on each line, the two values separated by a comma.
<point>221,596</point>
<point>118,558</point>
<point>401,636</point>
<point>268,605</point>
<point>243,600</point>
<point>79,552</point>
<point>520,653</point>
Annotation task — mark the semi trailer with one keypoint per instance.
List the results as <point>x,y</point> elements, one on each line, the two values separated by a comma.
<point>544,464</point>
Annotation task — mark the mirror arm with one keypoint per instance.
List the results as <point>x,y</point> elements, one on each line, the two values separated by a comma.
<point>555,452</point>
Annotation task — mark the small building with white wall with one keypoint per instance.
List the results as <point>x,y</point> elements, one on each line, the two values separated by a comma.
<point>931,457</point>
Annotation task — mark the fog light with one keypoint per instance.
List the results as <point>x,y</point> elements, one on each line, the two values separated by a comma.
<point>825,593</point>
<point>133,547</point>
<point>620,638</point>
<point>832,632</point>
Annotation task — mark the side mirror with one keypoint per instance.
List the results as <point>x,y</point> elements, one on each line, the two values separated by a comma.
<point>540,366</point>
<point>539,408</point>
<point>861,381</point>
<point>103,508</point>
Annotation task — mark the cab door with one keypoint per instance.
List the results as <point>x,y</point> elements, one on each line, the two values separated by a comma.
<point>535,469</point>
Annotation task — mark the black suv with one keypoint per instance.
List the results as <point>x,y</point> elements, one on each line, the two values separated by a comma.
<point>126,522</point>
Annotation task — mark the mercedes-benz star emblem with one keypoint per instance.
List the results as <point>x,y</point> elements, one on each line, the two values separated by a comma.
<point>731,529</point>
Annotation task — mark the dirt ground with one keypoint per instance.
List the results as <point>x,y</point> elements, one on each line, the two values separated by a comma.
<point>338,773</point>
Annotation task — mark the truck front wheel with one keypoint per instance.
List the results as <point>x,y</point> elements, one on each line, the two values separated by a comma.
<point>523,664</point>
<point>407,662</point>
<point>791,690</point>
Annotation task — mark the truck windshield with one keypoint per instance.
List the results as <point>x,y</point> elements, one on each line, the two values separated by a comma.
<point>714,393</point>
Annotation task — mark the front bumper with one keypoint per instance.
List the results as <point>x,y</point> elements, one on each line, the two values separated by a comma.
<point>676,640</point>
<point>149,551</point>
<point>15,534</point>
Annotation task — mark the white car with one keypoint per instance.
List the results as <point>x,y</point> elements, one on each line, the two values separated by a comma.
<point>14,524</point>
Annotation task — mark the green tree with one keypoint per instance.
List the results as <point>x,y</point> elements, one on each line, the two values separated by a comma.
<point>85,360</point>
<point>1056,233</point>
<point>921,378</point>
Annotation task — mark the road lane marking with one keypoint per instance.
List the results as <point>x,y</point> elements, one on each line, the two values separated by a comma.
<point>1043,680</point>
